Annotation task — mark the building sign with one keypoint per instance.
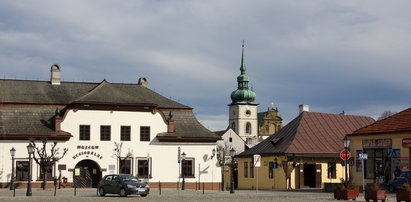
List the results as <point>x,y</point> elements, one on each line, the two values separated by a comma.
<point>86,147</point>
<point>376,143</point>
<point>92,153</point>
<point>406,142</point>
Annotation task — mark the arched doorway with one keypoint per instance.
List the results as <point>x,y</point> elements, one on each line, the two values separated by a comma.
<point>90,174</point>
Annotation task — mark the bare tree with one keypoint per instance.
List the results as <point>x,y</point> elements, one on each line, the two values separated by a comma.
<point>386,114</point>
<point>118,146</point>
<point>46,160</point>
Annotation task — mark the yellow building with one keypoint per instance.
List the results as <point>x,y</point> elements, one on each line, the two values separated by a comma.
<point>387,145</point>
<point>269,122</point>
<point>303,154</point>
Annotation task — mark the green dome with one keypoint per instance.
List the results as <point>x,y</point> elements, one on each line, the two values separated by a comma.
<point>243,96</point>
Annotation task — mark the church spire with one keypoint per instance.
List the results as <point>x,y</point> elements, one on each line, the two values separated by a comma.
<point>242,68</point>
<point>243,95</point>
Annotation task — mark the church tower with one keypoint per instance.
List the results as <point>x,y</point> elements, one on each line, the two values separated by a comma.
<point>243,110</point>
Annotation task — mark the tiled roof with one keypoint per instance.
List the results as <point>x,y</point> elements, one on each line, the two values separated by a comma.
<point>28,108</point>
<point>311,134</point>
<point>42,92</point>
<point>19,120</point>
<point>400,122</point>
<point>187,126</point>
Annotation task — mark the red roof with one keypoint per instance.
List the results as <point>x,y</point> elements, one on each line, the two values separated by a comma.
<point>400,122</point>
<point>311,134</point>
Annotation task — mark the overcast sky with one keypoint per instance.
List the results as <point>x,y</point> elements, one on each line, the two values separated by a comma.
<point>333,55</point>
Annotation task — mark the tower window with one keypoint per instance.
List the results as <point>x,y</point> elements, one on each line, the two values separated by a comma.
<point>248,128</point>
<point>248,112</point>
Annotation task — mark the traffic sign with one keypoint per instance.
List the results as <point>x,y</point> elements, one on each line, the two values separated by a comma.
<point>344,155</point>
<point>257,160</point>
<point>363,156</point>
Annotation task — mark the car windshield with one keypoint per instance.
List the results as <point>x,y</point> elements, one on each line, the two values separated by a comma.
<point>129,178</point>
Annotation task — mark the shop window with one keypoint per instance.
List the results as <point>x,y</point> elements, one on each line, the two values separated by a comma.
<point>144,133</point>
<point>125,133</point>
<point>125,165</point>
<point>332,170</point>
<point>144,167</point>
<point>84,132</point>
<point>105,133</point>
<point>246,169</point>
<point>22,170</point>
<point>376,166</point>
<point>187,167</point>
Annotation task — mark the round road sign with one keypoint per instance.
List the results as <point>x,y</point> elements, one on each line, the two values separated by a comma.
<point>345,156</point>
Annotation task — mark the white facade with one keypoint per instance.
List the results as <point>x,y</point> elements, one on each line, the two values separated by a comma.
<point>163,155</point>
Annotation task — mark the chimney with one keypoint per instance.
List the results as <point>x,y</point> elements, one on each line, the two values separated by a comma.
<point>170,126</point>
<point>142,81</point>
<point>304,108</point>
<point>55,74</point>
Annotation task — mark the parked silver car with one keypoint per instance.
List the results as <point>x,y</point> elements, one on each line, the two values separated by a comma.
<point>123,185</point>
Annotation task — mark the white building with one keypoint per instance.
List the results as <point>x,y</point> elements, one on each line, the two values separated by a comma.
<point>89,119</point>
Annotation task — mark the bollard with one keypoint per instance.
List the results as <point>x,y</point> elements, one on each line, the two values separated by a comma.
<point>14,190</point>
<point>159,186</point>
<point>55,185</point>
<point>203,187</point>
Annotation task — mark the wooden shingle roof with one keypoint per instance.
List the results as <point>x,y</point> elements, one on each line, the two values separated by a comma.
<point>311,134</point>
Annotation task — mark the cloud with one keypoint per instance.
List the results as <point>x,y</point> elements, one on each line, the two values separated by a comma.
<point>333,55</point>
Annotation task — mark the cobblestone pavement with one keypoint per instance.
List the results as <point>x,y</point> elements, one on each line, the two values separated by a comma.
<point>174,195</point>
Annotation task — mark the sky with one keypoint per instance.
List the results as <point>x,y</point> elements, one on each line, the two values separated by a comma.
<point>333,55</point>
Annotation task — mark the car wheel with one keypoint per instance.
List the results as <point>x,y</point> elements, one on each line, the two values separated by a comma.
<point>101,191</point>
<point>391,189</point>
<point>123,192</point>
<point>143,195</point>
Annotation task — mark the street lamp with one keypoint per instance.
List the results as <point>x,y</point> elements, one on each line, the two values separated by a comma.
<point>232,153</point>
<point>183,186</point>
<point>220,152</point>
<point>30,150</point>
<point>346,145</point>
<point>12,153</point>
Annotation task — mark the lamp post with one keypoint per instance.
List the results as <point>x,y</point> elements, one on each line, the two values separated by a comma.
<point>232,153</point>
<point>183,186</point>
<point>12,153</point>
<point>220,152</point>
<point>346,145</point>
<point>30,150</point>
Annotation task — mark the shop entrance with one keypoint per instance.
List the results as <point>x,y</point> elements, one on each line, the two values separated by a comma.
<point>89,176</point>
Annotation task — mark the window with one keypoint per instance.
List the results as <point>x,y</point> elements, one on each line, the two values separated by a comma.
<point>245,169</point>
<point>233,126</point>
<point>230,139</point>
<point>375,166</point>
<point>125,133</point>
<point>251,170</point>
<point>49,176</point>
<point>144,133</point>
<point>187,167</point>
<point>248,128</point>
<point>144,167</point>
<point>125,165</point>
<point>105,133</point>
<point>84,132</point>
<point>332,170</point>
<point>22,170</point>
<point>270,170</point>
<point>248,112</point>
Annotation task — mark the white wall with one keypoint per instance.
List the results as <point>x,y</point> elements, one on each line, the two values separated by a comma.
<point>164,155</point>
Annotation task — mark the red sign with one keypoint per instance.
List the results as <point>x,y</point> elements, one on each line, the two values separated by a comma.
<point>344,155</point>
<point>406,142</point>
